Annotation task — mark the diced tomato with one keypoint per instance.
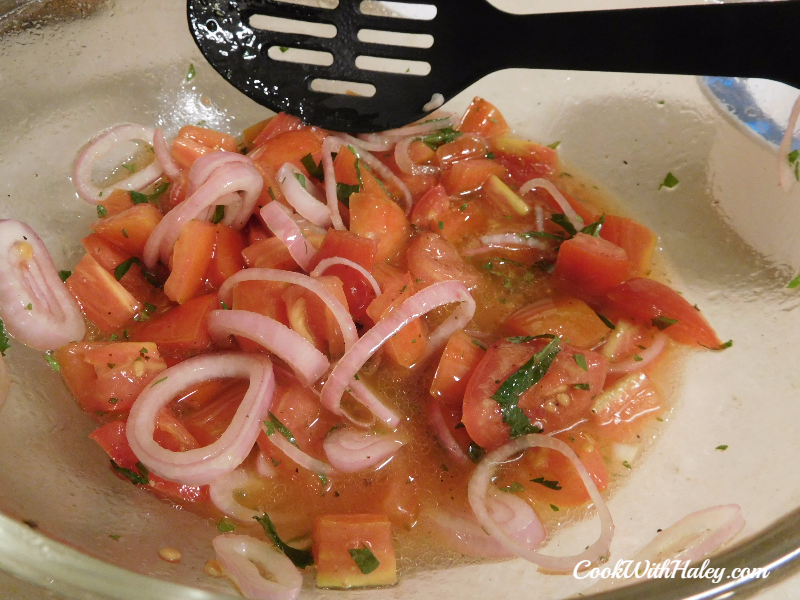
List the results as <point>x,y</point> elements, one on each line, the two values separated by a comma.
<point>177,193</point>
<point>648,301</point>
<point>190,261</point>
<point>227,259</point>
<point>360,250</point>
<point>102,298</point>
<point>170,433</point>
<point>549,476</point>
<point>462,148</point>
<point>524,160</point>
<point>344,167</point>
<point>264,298</point>
<point>183,328</point>
<point>484,119</point>
<point>193,142</point>
<point>310,317</point>
<point>590,266</point>
<point>420,153</point>
<point>289,146</point>
<point>468,176</point>
<point>569,318</point>
<point>553,404</point>
<point>116,202</point>
<point>130,229</point>
<point>280,123</point>
<point>409,344</point>
<point>460,358</point>
<point>376,216</point>
<point>208,423</point>
<point>112,438</point>
<point>269,253</point>
<point>428,211</point>
<point>104,252</point>
<point>638,241</point>
<point>336,535</point>
<point>432,259</point>
<point>618,410</point>
<point>107,377</point>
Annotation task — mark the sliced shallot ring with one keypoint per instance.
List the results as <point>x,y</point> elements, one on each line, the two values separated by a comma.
<point>438,294</point>
<point>464,535</point>
<point>207,164</point>
<point>385,173</point>
<point>340,312</point>
<point>35,305</point>
<point>222,493</point>
<point>517,518</point>
<point>329,146</point>
<point>279,220</point>
<point>221,189</point>
<point>303,197</point>
<point>373,144</point>
<point>562,202</point>
<point>323,265</point>
<point>301,458</point>
<point>404,162</point>
<point>427,126</point>
<point>264,466</point>
<point>785,176</point>
<point>99,147</point>
<point>478,488</point>
<point>352,450</point>
<point>164,155</point>
<point>202,465</point>
<point>239,554</point>
<point>513,239</point>
<point>443,435</point>
<point>308,363</point>
<point>646,357</point>
<point>367,398</point>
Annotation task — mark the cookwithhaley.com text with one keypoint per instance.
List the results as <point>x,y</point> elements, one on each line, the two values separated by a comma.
<point>668,569</point>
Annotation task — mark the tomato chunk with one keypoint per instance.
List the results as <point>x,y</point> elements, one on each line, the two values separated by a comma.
<point>569,318</point>
<point>468,176</point>
<point>590,266</point>
<point>227,259</point>
<point>130,229</point>
<point>376,216</point>
<point>409,344</point>
<point>483,118</point>
<point>190,261</point>
<point>182,328</point>
<point>638,241</point>
<point>648,301</point>
<point>460,358</point>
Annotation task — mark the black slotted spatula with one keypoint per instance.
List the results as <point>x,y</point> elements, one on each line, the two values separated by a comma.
<point>471,38</point>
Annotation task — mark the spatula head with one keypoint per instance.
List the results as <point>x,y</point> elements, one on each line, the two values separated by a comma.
<point>243,41</point>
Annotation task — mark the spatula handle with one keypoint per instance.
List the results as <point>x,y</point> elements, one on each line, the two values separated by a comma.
<point>742,40</point>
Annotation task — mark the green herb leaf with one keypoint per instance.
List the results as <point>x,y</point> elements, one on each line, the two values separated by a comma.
<point>159,381</point>
<point>479,344</point>
<point>282,429</point>
<point>441,224</point>
<point>314,169</point>
<point>4,345</point>
<point>553,485</point>
<point>124,267</point>
<point>125,234</point>
<point>542,234</point>
<point>724,447</point>
<point>364,559</point>
<point>513,488</point>
<point>637,358</point>
<point>344,191</point>
<point>113,400</point>
<point>64,275</point>
<point>593,229</point>
<point>554,145</point>
<point>191,74</point>
<point>271,193</point>
<point>793,156</point>
<point>475,452</point>
<point>580,386</point>
<point>441,137</point>
<point>626,464</point>
<point>608,323</point>
<point>139,198</point>
<point>101,211</point>
<point>490,155</point>
<point>140,478</point>
<point>554,507</point>
<point>528,375</point>
<point>580,360</point>
<point>300,558</point>
<point>357,166</point>
<point>51,360</point>
<point>224,527</point>
<point>794,283</point>
<point>301,178</point>
<point>663,322</point>
<point>30,306</point>
<point>129,167</point>
<point>562,221</point>
<point>670,181</point>
<point>283,48</point>
<point>219,214</point>
<point>224,306</point>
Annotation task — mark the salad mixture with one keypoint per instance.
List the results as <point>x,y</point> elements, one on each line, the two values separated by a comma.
<point>326,343</point>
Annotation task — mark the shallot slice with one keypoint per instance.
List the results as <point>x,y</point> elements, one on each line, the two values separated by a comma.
<point>645,357</point>
<point>301,458</point>
<point>427,126</point>
<point>99,147</point>
<point>235,185</point>
<point>478,494</point>
<point>463,535</point>
<point>438,294</point>
<point>305,360</point>
<point>517,518</point>
<point>513,239</point>
<point>239,555</point>
<point>385,173</point>
<point>562,202</point>
<point>404,162</point>
<point>367,398</point>
<point>164,155</point>
<point>279,220</point>
<point>351,450</point>
<point>264,467</point>
<point>445,438</point>
<point>340,313</point>
<point>222,492</point>
<point>35,305</point>
<point>202,465</point>
<point>329,146</point>
<point>207,164</point>
<point>323,265</point>
<point>303,196</point>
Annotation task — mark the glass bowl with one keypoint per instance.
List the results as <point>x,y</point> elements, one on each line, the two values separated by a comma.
<point>70,529</point>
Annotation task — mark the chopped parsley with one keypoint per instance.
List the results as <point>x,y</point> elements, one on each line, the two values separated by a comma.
<point>140,478</point>
<point>365,560</point>
<point>794,283</point>
<point>357,166</point>
<point>159,381</point>
<point>608,323</point>
<point>224,306</point>
<point>224,527</point>
<point>626,464</point>
<point>663,322</point>
<point>554,507</point>
<point>479,344</point>
<point>300,558</point>
<point>562,221</point>
<point>64,275</point>
<point>191,74</point>
<point>125,234</point>
<point>441,224</point>
<point>314,169</point>
<point>490,155</point>
<point>722,448</point>
<point>219,214</point>
<point>670,181</point>
<point>113,400</point>
<point>637,358</point>
<point>593,229</point>
<point>513,488</point>
<point>30,306</point>
<point>554,145</point>
<point>793,157</point>
<point>580,360</point>
<point>441,137</point>
<point>553,485</point>
<point>273,425</point>
<point>139,198</point>
<point>101,211</point>
<point>528,375</point>
<point>475,452</point>
<point>283,49</point>
<point>344,191</point>
<point>129,167</point>
<point>580,386</point>
<point>464,206</point>
<point>301,179</point>
<point>48,356</point>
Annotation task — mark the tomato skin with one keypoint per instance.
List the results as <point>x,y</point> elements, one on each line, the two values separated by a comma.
<point>432,259</point>
<point>183,328</point>
<point>211,420</point>
<point>271,128</point>
<point>407,345</point>
<point>590,266</point>
<point>646,299</point>
<point>459,359</point>
<point>190,261</point>
<point>569,318</point>
<point>638,241</point>
<point>227,259</point>
<point>483,118</point>
<point>429,209</point>
<point>542,403</point>
<point>130,229</point>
